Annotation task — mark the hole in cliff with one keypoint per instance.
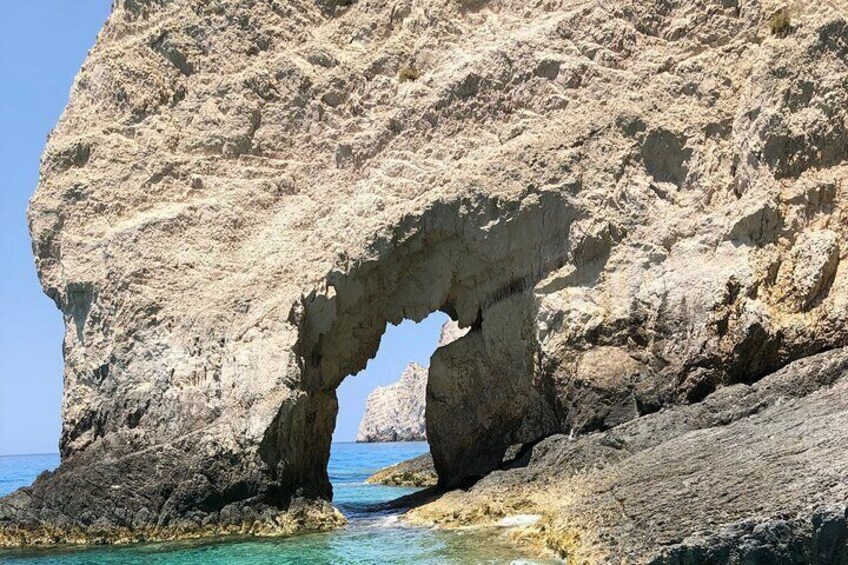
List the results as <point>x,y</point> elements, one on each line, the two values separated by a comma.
<point>476,260</point>
<point>380,420</point>
<point>385,401</point>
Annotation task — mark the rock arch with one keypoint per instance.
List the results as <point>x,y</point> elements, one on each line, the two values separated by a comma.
<point>227,225</point>
<point>477,259</point>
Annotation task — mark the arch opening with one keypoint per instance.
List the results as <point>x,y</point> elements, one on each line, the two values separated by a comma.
<point>381,418</point>
<point>477,260</point>
<point>399,372</point>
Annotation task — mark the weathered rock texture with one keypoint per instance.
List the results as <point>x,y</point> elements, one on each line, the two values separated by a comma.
<point>450,332</point>
<point>396,412</point>
<point>415,472</point>
<point>630,204</point>
<point>753,474</point>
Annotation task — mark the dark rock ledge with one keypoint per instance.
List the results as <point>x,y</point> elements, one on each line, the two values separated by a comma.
<point>753,474</point>
<point>416,472</point>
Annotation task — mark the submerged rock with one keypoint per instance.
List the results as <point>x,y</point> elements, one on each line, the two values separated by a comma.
<point>634,208</point>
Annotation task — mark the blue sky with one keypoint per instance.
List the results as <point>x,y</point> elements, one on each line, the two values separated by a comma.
<point>42,45</point>
<point>400,345</point>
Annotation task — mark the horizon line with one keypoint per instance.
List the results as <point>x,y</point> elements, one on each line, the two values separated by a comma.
<point>334,442</point>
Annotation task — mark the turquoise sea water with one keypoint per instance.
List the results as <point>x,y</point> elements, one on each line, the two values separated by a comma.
<point>370,538</point>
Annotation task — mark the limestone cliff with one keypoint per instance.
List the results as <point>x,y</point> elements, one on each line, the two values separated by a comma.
<point>632,206</point>
<point>396,412</point>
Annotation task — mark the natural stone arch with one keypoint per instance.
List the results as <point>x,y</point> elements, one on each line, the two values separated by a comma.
<point>475,258</point>
<point>185,209</point>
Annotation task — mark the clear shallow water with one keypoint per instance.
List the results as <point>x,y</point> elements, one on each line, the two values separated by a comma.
<point>371,538</point>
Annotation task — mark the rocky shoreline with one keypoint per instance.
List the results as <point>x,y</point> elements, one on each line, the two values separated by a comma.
<point>416,472</point>
<point>581,487</point>
<point>302,517</point>
<point>753,474</point>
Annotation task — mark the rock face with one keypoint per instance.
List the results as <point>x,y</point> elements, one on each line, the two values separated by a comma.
<point>416,472</point>
<point>634,206</point>
<point>753,474</point>
<point>396,412</point>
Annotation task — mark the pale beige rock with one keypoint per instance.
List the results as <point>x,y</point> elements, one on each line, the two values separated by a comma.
<point>416,472</point>
<point>396,412</point>
<point>241,194</point>
<point>450,332</point>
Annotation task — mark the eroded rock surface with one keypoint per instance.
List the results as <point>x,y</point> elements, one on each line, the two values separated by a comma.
<point>753,474</point>
<point>396,412</point>
<point>633,206</point>
<point>415,472</point>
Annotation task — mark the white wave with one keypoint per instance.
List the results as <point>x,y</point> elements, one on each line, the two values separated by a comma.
<point>519,520</point>
<point>390,521</point>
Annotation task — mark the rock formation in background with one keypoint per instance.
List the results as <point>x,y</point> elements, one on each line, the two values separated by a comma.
<point>396,412</point>
<point>636,207</point>
<point>450,332</point>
